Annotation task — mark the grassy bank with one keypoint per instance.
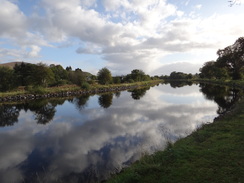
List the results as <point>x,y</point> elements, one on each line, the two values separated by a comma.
<point>71,88</point>
<point>231,83</point>
<point>213,153</point>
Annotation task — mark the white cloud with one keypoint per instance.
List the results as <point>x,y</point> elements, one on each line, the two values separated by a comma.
<point>185,67</point>
<point>199,6</point>
<point>126,34</point>
<point>14,30</point>
<point>34,52</point>
<point>12,20</point>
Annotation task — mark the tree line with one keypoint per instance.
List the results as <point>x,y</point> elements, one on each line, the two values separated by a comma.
<point>41,75</point>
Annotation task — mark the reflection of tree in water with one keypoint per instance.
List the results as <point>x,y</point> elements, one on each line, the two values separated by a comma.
<point>8,115</point>
<point>105,100</point>
<point>44,111</point>
<point>179,84</point>
<point>224,96</point>
<point>45,114</point>
<point>117,94</point>
<point>81,102</point>
<point>137,94</point>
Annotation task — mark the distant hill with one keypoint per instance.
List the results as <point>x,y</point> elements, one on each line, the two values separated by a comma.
<point>10,64</point>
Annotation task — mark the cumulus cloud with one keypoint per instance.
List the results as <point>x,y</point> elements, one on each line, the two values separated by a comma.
<point>34,51</point>
<point>124,33</point>
<point>15,31</point>
<point>12,21</point>
<point>185,67</point>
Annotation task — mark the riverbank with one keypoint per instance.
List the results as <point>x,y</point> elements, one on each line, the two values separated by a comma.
<point>231,83</point>
<point>213,153</point>
<point>70,90</point>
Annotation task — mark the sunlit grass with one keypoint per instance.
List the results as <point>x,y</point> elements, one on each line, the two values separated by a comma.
<point>71,88</point>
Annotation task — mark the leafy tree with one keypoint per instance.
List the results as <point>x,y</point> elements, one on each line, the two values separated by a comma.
<point>232,58</point>
<point>104,76</point>
<point>77,77</point>
<point>180,75</point>
<point>207,71</point>
<point>60,74</point>
<point>69,68</point>
<point>7,79</point>
<point>117,79</point>
<point>137,75</point>
<point>43,75</point>
<point>24,73</point>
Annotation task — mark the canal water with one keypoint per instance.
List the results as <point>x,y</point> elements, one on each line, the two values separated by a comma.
<point>86,138</point>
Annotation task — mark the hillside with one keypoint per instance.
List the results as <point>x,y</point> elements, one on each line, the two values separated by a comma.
<point>10,64</point>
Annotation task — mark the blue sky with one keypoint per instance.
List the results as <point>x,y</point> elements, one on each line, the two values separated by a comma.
<point>157,36</point>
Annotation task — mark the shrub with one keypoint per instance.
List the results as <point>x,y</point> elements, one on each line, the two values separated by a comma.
<point>85,86</point>
<point>36,90</point>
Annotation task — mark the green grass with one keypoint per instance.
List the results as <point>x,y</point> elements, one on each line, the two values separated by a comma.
<point>213,153</point>
<point>66,88</point>
<point>11,93</point>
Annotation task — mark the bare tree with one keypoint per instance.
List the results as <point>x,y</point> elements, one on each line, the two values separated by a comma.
<point>234,2</point>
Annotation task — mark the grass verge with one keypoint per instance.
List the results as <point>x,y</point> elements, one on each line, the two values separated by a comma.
<point>71,88</point>
<point>213,153</point>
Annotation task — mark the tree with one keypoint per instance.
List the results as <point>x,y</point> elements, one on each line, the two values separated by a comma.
<point>104,76</point>
<point>69,68</point>
<point>180,75</point>
<point>43,75</point>
<point>207,71</point>
<point>234,2</point>
<point>7,80</point>
<point>117,80</point>
<point>139,75</point>
<point>60,74</point>
<point>232,58</point>
<point>77,77</point>
<point>211,70</point>
<point>24,73</point>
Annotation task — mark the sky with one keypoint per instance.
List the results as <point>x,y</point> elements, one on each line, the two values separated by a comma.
<point>156,36</point>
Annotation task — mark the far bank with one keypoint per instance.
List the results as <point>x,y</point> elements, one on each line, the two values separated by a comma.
<point>70,90</point>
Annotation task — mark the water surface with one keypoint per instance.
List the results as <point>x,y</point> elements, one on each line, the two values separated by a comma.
<point>84,139</point>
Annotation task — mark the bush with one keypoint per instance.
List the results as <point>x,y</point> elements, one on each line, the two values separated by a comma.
<point>85,86</point>
<point>131,81</point>
<point>36,90</point>
<point>91,82</point>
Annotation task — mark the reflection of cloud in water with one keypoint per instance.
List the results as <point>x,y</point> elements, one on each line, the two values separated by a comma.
<point>106,139</point>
